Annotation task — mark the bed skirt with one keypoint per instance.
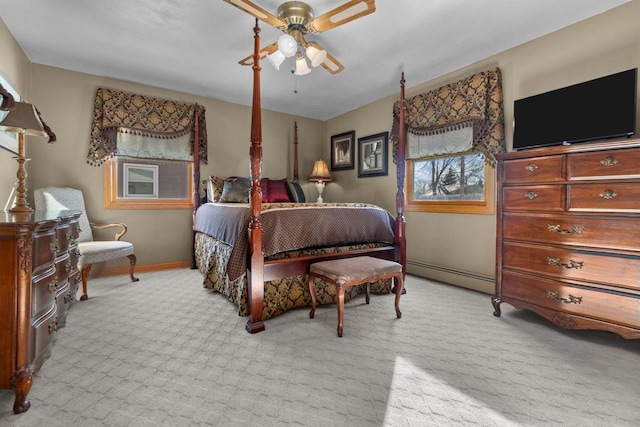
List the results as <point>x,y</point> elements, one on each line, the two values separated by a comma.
<point>280,295</point>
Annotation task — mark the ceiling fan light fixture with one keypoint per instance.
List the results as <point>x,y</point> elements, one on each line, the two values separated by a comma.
<point>301,65</point>
<point>276,58</point>
<point>287,45</point>
<point>315,55</point>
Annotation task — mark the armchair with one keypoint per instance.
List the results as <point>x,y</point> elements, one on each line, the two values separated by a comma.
<point>91,251</point>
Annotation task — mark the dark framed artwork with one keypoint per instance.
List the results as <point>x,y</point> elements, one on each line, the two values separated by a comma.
<point>373,155</point>
<point>343,150</point>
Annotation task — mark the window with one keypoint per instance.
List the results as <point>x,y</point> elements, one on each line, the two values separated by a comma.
<point>456,184</point>
<point>140,181</point>
<point>148,184</point>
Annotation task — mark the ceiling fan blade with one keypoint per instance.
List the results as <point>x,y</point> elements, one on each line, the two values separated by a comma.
<point>349,11</point>
<point>267,50</point>
<point>255,10</point>
<point>332,65</point>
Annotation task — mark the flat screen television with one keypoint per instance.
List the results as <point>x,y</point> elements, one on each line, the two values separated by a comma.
<point>595,109</point>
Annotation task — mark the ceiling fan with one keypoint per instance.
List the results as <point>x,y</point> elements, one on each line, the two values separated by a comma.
<point>295,19</point>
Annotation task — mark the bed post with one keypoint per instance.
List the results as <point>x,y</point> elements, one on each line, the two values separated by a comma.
<point>295,151</point>
<point>255,273</point>
<point>196,182</point>
<point>400,237</point>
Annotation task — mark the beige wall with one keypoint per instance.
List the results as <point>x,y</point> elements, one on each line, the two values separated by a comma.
<point>455,248</point>
<point>460,249</point>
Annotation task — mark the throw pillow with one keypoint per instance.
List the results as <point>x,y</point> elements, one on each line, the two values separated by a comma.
<point>264,187</point>
<point>295,192</point>
<point>235,190</point>
<point>278,191</point>
<point>215,186</point>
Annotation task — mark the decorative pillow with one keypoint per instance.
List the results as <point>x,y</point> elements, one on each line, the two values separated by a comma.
<point>235,190</point>
<point>215,186</point>
<point>278,191</point>
<point>264,187</point>
<point>295,192</point>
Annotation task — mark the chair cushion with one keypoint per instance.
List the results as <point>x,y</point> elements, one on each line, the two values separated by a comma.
<point>355,269</point>
<point>93,252</point>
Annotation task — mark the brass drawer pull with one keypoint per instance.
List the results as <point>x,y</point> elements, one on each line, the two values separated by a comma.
<point>69,235</point>
<point>53,247</point>
<point>608,194</point>
<point>68,298</point>
<point>67,266</point>
<point>53,286</point>
<point>572,264</point>
<point>530,195</point>
<point>54,326</point>
<point>531,167</point>
<point>575,229</point>
<point>570,300</point>
<point>608,161</point>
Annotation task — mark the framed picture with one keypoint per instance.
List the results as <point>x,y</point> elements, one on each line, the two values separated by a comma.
<point>9,140</point>
<point>373,155</point>
<point>342,150</point>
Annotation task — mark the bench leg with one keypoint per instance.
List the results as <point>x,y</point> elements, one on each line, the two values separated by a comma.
<point>400,287</point>
<point>312,291</point>
<point>368,296</point>
<point>340,308</point>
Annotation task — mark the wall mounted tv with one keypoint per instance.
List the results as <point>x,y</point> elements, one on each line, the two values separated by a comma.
<point>596,109</point>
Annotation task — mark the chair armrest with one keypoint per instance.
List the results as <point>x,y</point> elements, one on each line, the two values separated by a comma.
<point>119,235</point>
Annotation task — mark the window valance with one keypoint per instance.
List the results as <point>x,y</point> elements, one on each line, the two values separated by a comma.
<point>474,102</point>
<point>117,113</point>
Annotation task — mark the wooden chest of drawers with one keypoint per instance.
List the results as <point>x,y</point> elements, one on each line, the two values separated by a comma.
<point>38,283</point>
<point>568,242</point>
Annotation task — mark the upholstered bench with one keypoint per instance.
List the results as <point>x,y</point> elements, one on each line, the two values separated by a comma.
<point>346,272</point>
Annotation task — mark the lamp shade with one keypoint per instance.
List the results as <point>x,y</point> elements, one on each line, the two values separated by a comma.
<point>315,55</point>
<point>320,172</point>
<point>276,58</point>
<point>287,45</point>
<point>25,119</point>
<point>301,65</point>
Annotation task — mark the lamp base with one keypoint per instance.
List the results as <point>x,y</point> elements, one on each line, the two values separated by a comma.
<point>320,188</point>
<point>21,192</point>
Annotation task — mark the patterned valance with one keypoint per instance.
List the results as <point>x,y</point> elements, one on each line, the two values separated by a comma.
<point>124,112</point>
<point>473,101</point>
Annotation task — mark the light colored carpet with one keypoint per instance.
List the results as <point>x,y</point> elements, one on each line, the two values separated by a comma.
<point>166,352</point>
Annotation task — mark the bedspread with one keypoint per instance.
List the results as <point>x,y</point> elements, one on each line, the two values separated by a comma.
<point>291,226</point>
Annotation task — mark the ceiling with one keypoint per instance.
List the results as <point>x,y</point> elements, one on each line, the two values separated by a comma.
<point>194,46</point>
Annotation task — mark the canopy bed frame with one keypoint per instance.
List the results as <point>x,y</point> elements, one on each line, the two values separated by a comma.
<point>260,269</point>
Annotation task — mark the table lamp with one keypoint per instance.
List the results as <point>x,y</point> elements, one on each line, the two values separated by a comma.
<point>320,175</point>
<point>24,119</point>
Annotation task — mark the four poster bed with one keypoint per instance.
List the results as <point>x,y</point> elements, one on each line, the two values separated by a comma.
<point>258,254</point>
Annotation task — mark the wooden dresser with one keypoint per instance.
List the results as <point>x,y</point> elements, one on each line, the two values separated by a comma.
<point>568,235</point>
<point>38,283</point>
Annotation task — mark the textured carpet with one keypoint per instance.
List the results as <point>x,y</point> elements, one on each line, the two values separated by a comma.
<point>166,352</point>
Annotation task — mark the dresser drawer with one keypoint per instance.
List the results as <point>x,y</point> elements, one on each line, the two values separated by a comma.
<point>613,164</point>
<point>65,236</point>
<point>623,309</point>
<point>549,198</point>
<point>597,232</point>
<point>43,250</point>
<point>620,271</point>
<point>42,332</point>
<point>43,292</point>
<point>603,197</point>
<point>535,169</point>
